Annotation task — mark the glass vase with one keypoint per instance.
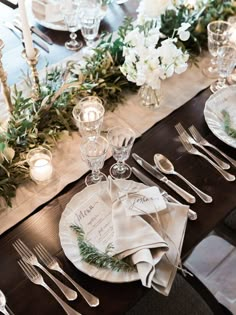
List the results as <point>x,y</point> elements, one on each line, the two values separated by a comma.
<point>150,97</point>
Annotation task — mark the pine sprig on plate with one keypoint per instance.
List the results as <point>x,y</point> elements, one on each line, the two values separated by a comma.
<point>227,124</point>
<point>90,254</point>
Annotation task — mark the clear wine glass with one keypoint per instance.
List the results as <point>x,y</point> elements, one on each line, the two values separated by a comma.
<point>121,140</point>
<point>94,152</point>
<point>70,12</point>
<point>90,18</point>
<point>226,60</point>
<point>88,115</point>
<point>218,35</point>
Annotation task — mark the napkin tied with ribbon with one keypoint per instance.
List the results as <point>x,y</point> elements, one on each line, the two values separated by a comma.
<point>152,238</point>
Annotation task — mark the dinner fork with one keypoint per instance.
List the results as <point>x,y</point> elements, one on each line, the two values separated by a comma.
<point>191,149</point>
<point>28,256</point>
<point>53,264</point>
<point>180,129</point>
<point>35,277</point>
<point>199,138</point>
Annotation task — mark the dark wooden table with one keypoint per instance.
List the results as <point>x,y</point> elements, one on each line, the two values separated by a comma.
<point>42,225</point>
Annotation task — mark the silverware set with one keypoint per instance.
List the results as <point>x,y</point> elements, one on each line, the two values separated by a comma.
<point>164,166</point>
<point>189,144</point>
<point>29,261</point>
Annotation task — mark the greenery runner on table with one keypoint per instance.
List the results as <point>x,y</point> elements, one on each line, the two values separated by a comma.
<point>45,121</point>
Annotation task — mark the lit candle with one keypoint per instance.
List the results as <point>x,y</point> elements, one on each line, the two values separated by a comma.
<point>90,113</point>
<point>40,163</point>
<point>29,48</point>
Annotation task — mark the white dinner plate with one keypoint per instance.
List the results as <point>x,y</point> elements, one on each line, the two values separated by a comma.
<point>38,11</point>
<point>68,237</point>
<point>224,99</point>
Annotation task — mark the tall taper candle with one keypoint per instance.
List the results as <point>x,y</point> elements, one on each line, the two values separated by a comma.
<point>30,52</point>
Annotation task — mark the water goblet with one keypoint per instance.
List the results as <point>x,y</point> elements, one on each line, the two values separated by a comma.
<point>217,35</point>
<point>121,140</point>
<point>90,18</point>
<point>70,11</point>
<point>226,61</point>
<point>94,152</point>
<point>88,115</point>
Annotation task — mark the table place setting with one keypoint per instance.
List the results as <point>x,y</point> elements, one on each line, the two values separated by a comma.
<point>102,223</point>
<point>131,114</point>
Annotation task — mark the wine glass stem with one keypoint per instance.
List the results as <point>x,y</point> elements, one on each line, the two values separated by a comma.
<point>120,166</point>
<point>95,174</point>
<point>73,36</point>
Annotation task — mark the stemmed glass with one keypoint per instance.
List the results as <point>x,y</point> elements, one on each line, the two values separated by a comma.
<point>90,18</point>
<point>121,140</point>
<point>218,35</point>
<point>94,152</point>
<point>70,12</point>
<point>88,115</point>
<point>226,61</point>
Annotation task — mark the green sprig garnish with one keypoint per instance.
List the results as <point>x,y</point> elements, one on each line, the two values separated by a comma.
<point>227,124</point>
<point>90,254</point>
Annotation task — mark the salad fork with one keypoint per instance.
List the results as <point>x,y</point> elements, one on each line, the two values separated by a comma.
<point>191,149</point>
<point>34,276</point>
<point>199,138</point>
<point>53,264</point>
<point>28,256</point>
<point>180,129</point>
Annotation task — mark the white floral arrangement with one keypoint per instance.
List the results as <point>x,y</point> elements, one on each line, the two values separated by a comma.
<point>150,58</point>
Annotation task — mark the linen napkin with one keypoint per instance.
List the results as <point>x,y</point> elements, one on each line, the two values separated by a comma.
<point>153,238</point>
<point>47,10</point>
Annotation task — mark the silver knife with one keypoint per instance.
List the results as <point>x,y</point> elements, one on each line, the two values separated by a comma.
<point>35,40</point>
<point>156,173</point>
<point>40,34</point>
<point>192,215</point>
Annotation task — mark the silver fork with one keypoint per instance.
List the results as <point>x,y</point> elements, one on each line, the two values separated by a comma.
<point>53,264</point>
<point>191,149</point>
<point>35,277</point>
<point>180,129</point>
<point>199,138</point>
<point>28,256</point>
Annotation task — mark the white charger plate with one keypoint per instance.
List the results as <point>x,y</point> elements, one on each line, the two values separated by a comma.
<point>68,237</point>
<point>224,99</point>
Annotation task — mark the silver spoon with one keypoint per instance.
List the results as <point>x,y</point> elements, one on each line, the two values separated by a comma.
<point>3,304</point>
<point>165,166</point>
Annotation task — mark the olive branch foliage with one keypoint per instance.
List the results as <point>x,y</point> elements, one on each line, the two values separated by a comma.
<point>49,118</point>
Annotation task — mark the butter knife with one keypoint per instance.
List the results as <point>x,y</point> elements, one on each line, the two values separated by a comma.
<point>157,174</point>
<point>192,215</point>
<point>40,34</point>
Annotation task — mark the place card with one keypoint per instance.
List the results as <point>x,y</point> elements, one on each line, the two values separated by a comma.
<point>144,201</point>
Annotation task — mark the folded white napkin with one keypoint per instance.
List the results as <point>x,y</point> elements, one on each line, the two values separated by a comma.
<point>47,10</point>
<point>154,240</point>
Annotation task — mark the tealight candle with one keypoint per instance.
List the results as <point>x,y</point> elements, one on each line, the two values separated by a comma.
<point>40,162</point>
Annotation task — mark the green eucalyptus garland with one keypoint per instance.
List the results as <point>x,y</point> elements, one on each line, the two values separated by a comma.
<point>43,122</point>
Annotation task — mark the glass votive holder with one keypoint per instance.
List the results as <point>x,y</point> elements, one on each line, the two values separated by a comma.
<point>88,115</point>
<point>40,162</point>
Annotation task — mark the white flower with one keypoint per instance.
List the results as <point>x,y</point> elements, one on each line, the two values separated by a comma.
<point>182,31</point>
<point>154,8</point>
<point>149,63</point>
